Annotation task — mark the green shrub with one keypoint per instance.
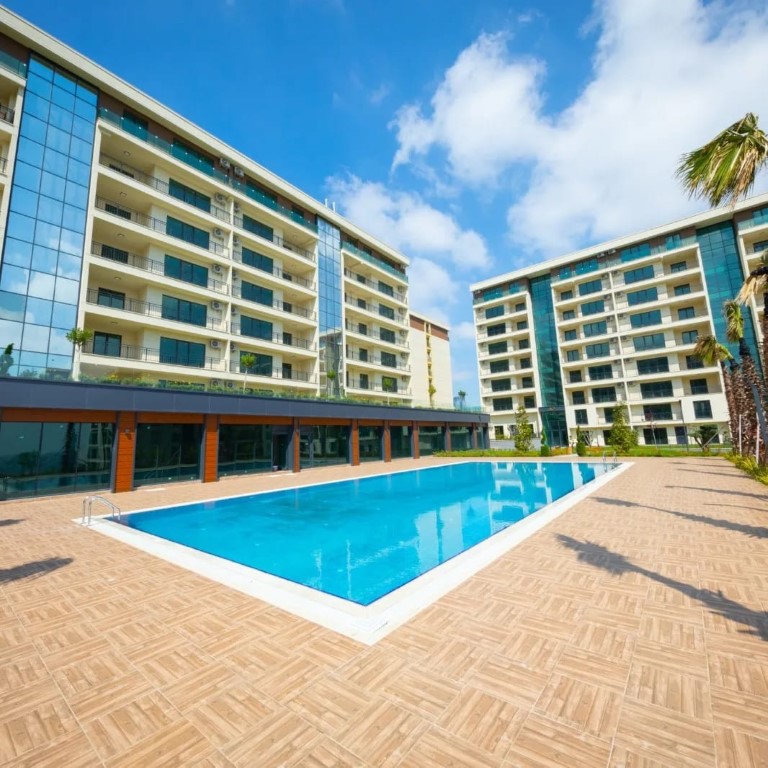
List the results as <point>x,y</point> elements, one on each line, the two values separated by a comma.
<point>545,450</point>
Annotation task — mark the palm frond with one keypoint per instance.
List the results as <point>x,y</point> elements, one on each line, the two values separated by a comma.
<point>724,169</point>
<point>754,285</point>
<point>734,321</point>
<point>711,351</point>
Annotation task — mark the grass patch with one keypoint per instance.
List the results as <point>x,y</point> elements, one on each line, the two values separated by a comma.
<point>750,466</point>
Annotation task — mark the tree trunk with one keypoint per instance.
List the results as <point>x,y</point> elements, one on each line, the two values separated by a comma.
<point>765,335</point>
<point>733,414</point>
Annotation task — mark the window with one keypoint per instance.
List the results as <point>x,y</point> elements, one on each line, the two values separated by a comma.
<point>362,329</point>
<point>497,347</point>
<point>499,366</point>
<point>362,382</point>
<point>520,307</point>
<point>114,299</point>
<point>529,401</point>
<point>641,297</point>
<point>257,329</point>
<point>636,252</point>
<point>386,311</point>
<point>658,412</point>
<point>595,329</point>
<point>593,307</point>
<point>116,254</point>
<point>494,312</point>
<point>656,389</point>
<point>116,210</point>
<point>497,330</point>
<point>256,293</point>
<point>107,344</point>
<point>761,246</point>
<point>362,355</point>
<point>388,384</point>
<point>176,352</point>
<point>682,290</point>
<point>184,311</point>
<point>608,415</point>
<point>566,295</point>
<point>699,387</point>
<point>578,398</point>
<point>569,314</point>
<point>656,436</point>
<point>257,228</point>
<point>385,334</point>
<point>573,355</point>
<point>187,232</point>
<point>389,359</point>
<point>702,409</point>
<point>570,335</point>
<point>581,416</point>
<point>522,325</point>
<point>678,266</point>
<point>390,291</point>
<point>651,341</point>
<point>642,319</point>
<point>598,372</point>
<point>501,385</point>
<point>574,377</point>
<point>502,404</point>
<point>636,275</point>
<point>653,365</point>
<point>604,394</point>
<point>598,350</point>
<point>188,195</point>
<point>524,344</point>
<point>686,313</point>
<point>526,382</point>
<point>525,362</point>
<point>257,260</point>
<point>262,364</point>
<point>593,286</point>
<point>185,270</point>
<point>689,337</point>
<point>681,435</point>
<point>692,362</point>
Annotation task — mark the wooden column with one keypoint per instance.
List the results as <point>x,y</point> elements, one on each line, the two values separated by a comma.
<point>355,442</point>
<point>447,439</point>
<point>387,442</point>
<point>211,449</point>
<point>474,436</point>
<point>125,450</point>
<point>415,438</point>
<point>296,445</point>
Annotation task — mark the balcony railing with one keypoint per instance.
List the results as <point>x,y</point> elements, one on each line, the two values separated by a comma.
<point>280,306</point>
<point>154,357</point>
<point>148,265</point>
<point>398,317</point>
<point>235,366</point>
<point>137,307</point>
<point>276,338</point>
<point>371,259</point>
<point>353,383</point>
<point>373,334</point>
<point>363,280</point>
<point>277,272</point>
<point>12,64</point>
<point>276,240</point>
<point>120,212</point>
<point>376,360</point>
<point>206,167</point>
<point>161,186</point>
<point>493,295</point>
<point>6,114</point>
<point>4,166</point>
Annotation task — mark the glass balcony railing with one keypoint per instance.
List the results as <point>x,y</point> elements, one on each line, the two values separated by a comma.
<point>276,272</point>
<point>280,306</point>
<point>377,360</point>
<point>496,293</point>
<point>287,340</point>
<point>204,166</point>
<point>371,259</point>
<point>236,366</point>
<point>273,238</point>
<point>12,64</point>
<point>385,290</point>
<point>152,356</point>
<point>757,219</point>
<point>374,334</point>
<point>371,386</point>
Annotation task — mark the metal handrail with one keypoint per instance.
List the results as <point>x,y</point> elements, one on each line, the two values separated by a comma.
<point>88,503</point>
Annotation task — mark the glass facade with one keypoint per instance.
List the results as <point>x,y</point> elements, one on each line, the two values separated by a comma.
<point>371,443</point>
<point>400,442</point>
<point>244,449</point>
<point>461,438</point>
<point>329,295</point>
<point>552,408</point>
<point>42,459</point>
<point>431,439</point>
<point>44,240</point>
<point>324,445</point>
<point>167,453</point>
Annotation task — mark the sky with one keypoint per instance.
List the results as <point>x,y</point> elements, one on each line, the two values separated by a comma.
<point>476,136</point>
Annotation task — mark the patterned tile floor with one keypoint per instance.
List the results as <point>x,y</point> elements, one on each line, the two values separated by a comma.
<point>631,632</point>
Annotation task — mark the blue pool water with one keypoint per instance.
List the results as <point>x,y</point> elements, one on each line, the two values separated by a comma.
<point>360,539</point>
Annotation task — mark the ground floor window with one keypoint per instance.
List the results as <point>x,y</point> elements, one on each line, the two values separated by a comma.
<point>371,443</point>
<point>167,453</point>
<point>39,459</point>
<point>245,448</point>
<point>461,439</point>
<point>431,439</point>
<point>324,445</point>
<point>656,436</point>
<point>400,442</point>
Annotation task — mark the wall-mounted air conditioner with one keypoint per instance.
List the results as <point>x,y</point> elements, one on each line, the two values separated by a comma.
<point>239,172</point>
<point>216,305</point>
<point>218,232</point>
<point>224,163</point>
<point>214,343</point>
<point>220,198</point>
<point>236,240</point>
<point>232,347</point>
<point>217,268</point>
<point>237,207</point>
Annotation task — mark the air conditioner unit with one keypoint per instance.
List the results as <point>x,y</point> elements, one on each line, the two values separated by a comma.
<point>236,240</point>
<point>234,311</point>
<point>239,172</point>
<point>230,385</point>
<point>224,163</point>
<point>235,275</point>
<point>220,198</point>
<point>622,315</point>
<point>237,207</point>
<point>216,305</point>
<point>214,343</point>
<point>218,232</point>
<point>215,382</point>
<point>217,268</point>
<point>232,347</point>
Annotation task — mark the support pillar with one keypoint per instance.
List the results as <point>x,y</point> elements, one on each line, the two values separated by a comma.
<point>125,451</point>
<point>415,438</point>
<point>211,449</point>
<point>474,436</point>
<point>296,445</point>
<point>387,442</point>
<point>355,442</point>
<point>447,437</point>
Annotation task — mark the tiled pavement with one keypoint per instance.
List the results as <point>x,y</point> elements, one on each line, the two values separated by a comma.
<point>632,631</point>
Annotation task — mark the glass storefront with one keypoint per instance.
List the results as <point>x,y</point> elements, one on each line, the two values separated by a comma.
<point>244,448</point>
<point>371,443</point>
<point>39,459</point>
<point>167,453</point>
<point>400,442</point>
<point>324,445</point>
<point>461,439</point>
<point>431,439</point>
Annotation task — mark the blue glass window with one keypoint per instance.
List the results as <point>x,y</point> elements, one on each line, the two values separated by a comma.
<point>636,275</point>
<point>595,329</point>
<point>257,293</point>
<point>651,341</point>
<point>642,319</point>
<point>641,297</point>
<point>256,328</point>
<point>593,286</point>
<point>653,365</point>
<point>593,307</point>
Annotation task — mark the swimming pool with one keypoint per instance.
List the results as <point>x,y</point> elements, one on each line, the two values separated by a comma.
<point>359,540</point>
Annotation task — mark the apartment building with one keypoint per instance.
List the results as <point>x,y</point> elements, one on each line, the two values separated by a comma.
<point>186,260</point>
<point>431,375</point>
<point>572,337</point>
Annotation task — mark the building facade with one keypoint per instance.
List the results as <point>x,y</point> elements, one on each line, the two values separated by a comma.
<point>571,338</point>
<point>431,375</point>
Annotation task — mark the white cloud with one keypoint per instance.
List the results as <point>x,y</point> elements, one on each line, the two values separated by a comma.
<point>463,331</point>
<point>379,94</point>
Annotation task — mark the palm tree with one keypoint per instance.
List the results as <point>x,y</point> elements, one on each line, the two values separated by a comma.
<point>6,360</point>
<point>247,361</point>
<point>724,169</point>
<point>755,284</point>
<point>711,352</point>
<point>78,337</point>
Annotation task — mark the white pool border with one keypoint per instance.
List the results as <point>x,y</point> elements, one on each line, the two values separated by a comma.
<point>366,624</point>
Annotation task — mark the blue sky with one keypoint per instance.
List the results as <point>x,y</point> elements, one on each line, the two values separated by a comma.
<point>476,137</point>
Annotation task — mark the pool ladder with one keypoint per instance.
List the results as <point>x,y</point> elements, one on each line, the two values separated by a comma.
<point>88,503</point>
<point>605,456</point>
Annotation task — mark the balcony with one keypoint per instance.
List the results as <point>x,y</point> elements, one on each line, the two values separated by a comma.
<point>206,167</point>
<point>275,240</point>
<point>281,274</point>
<point>7,115</point>
<point>280,306</point>
<point>375,261</point>
<point>358,279</point>
<point>4,166</point>
<point>163,187</point>
<point>373,334</point>
<point>149,265</point>
<point>276,338</point>
<point>122,214</point>
<point>495,294</point>
<point>235,366</point>
<point>397,317</point>
<point>137,307</point>
<point>376,360</point>
<point>366,386</point>
<point>153,357</point>
<point>12,64</point>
